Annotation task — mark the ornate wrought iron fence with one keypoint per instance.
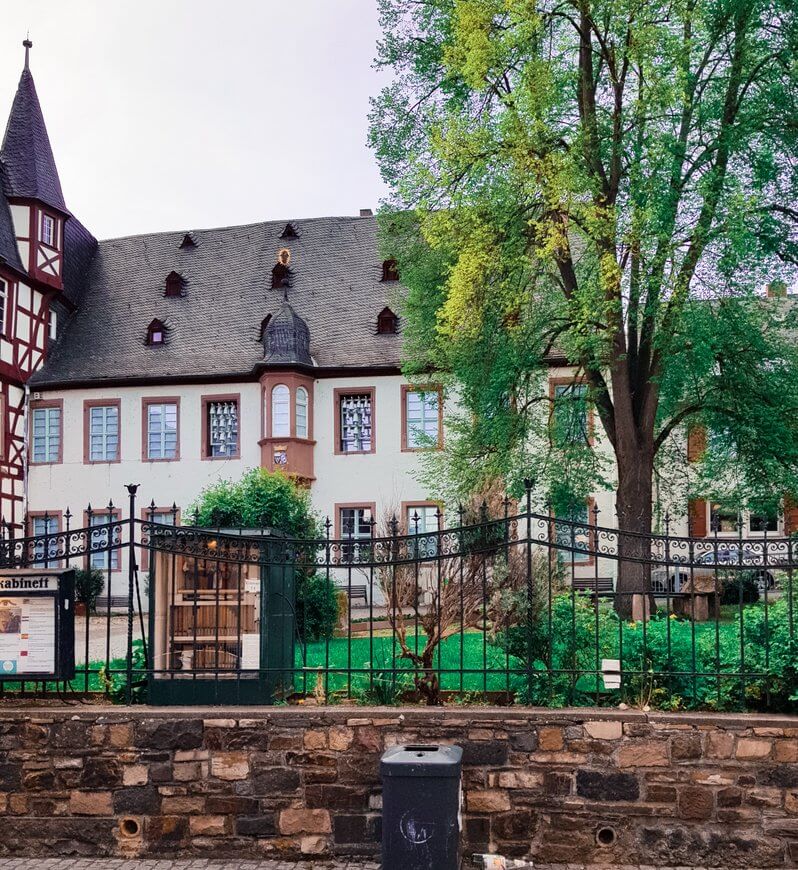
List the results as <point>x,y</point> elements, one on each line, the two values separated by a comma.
<point>522,607</point>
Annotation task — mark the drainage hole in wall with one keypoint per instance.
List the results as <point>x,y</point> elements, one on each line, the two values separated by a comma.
<point>605,836</point>
<point>129,827</point>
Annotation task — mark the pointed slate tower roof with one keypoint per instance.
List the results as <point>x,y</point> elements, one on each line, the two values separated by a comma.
<point>28,164</point>
<point>286,339</point>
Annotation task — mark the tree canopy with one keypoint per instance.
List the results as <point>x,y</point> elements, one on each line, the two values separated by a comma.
<point>610,183</point>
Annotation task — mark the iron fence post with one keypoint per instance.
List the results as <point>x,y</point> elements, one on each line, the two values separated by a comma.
<point>132,488</point>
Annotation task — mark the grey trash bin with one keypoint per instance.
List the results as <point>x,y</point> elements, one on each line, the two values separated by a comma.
<point>421,807</point>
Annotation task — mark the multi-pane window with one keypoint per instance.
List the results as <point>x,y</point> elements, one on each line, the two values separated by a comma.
<point>48,230</point>
<point>223,428</point>
<point>574,537</point>
<point>723,519</point>
<point>162,430</point>
<point>104,433</point>
<point>281,411</point>
<point>45,550</point>
<point>422,418</point>
<point>356,526</point>
<point>301,412</point>
<point>46,446</point>
<point>570,414</point>
<point>3,302</point>
<point>764,522</point>
<point>103,538</point>
<point>356,431</point>
<point>424,521</point>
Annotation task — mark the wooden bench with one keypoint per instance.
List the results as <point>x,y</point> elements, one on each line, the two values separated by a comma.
<point>356,592</point>
<point>601,586</point>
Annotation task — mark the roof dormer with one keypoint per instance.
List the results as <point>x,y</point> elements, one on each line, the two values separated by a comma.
<point>175,284</point>
<point>156,333</point>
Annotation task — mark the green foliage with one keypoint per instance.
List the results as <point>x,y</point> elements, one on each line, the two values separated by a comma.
<point>746,662</point>
<point>317,608</point>
<point>610,183</point>
<point>260,499</point>
<point>739,587</point>
<point>89,583</point>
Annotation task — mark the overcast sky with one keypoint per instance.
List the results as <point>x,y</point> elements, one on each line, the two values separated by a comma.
<point>180,114</point>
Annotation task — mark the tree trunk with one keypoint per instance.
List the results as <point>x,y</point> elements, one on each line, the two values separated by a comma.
<point>634,509</point>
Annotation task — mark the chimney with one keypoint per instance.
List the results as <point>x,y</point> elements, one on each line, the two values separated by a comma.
<point>366,212</point>
<point>776,290</point>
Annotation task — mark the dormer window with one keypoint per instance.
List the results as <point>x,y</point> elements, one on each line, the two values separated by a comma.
<point>390,271</point>
<point>289,232</point>
<point>387,322</point>
<point>174,284</point>
<point>48,230</point>
<point>156,333</point>
<point>188,241</point>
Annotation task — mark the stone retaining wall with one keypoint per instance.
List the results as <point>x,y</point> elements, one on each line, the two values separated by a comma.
<point>563,786</point>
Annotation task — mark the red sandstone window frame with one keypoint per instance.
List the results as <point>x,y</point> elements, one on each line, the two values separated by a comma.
<point>205,403</point>
<point>158,400</point>
<point>36,405</point>
<point>88,404</point>
<point>340,393</point>
<point>414,388</point>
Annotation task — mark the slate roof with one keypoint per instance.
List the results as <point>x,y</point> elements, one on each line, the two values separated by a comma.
<point>9,252</point>
<point>26,155</point>
<point>213,330</point>
<point>79,249</point>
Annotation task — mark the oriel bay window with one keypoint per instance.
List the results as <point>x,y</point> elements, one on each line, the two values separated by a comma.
<point>101,430</point>
<point>287,443</point>
<point>161,429</point>
<point>221,427</point>
<point>422,422</point>
<point>354,421</point>
<point>46,437</point>
<point>281,411</point>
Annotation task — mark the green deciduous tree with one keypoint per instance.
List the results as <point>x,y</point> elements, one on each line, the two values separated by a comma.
<point>608,182</point>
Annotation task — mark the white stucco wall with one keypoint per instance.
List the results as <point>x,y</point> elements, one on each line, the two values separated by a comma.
<point>386,477</point>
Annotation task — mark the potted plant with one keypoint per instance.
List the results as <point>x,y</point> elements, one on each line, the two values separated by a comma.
<point>89,584</point>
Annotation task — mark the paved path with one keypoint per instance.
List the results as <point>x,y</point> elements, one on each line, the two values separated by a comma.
<point>215,864</point>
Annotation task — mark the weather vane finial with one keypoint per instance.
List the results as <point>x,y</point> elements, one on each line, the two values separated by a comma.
<point>28,46</point>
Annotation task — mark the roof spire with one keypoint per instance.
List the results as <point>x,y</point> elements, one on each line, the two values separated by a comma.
<point>28,46</point>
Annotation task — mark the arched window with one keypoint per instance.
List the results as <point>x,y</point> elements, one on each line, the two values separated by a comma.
<point>174,284</point>
<point>301,412</point>
<point>281,411</point>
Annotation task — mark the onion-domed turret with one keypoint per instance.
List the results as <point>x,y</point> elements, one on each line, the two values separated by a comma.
<point>286,339</point>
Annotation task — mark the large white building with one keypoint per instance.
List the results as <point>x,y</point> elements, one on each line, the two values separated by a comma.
<point>173,360</point>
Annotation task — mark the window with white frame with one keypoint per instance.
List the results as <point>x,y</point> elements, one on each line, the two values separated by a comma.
<point>301,413</point>
<point>46,434</point>
<point>3,303</point>
<point>763,521</point>
<point>281,411</point>
<point>103,433</point>
<point>222,427</point>
<point>356,527</point>
<point>53,325</point>
<point>355,412</point>
<point>423,521</point>
<point>48,230</point>
<point>45,550</point>
<point>162,430</point>
<point>570,415</point>
<point>574,536</point>
<point>422,418</point>
<point>102,538</point>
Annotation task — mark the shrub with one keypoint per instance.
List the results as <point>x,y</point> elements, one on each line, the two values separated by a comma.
<point>317,608</point>
<point>733,583</point>
<point>89,584</point>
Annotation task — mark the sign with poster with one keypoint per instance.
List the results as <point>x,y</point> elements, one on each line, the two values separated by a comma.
<point>37,625</point>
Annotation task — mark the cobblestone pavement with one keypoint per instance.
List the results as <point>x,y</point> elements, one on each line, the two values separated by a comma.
<point>237,864</point>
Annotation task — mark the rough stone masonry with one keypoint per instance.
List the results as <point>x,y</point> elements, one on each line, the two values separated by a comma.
<point>593,786</point>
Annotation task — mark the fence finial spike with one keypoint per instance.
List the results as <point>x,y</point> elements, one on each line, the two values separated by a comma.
<point>528,483</point>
